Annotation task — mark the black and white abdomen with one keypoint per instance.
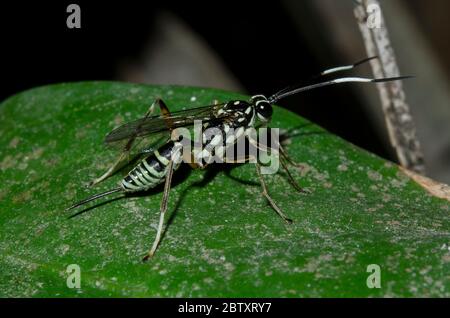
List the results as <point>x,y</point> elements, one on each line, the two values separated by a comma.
<point>152,170</point>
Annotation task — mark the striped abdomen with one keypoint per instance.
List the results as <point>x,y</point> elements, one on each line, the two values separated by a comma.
<point>152,170</point>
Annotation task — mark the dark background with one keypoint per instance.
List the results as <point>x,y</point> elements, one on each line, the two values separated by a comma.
<point>263,45</point>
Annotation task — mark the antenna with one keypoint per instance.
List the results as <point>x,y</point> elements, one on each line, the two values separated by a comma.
<point>277,96</point>
<point>347,67</point>
<point>329,71</point>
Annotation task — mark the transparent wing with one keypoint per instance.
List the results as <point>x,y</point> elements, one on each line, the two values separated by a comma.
<point>158,124</point>
<point>142,145</point>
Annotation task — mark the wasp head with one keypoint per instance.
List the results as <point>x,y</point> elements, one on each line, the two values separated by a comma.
<point>263,107</point>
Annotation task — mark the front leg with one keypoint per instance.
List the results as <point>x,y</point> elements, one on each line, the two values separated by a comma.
<point>265,193</point>
<point>281,154</point>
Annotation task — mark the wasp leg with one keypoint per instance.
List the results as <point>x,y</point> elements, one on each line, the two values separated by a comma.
<point>289,159</point>
<point>284,154</point>
<point>283,158</point>
<point>124,155</point>
<point>265,193</point>
<point>242,160</point>
<point>165,112</point>
<point>196,166</point>
<point>112,169</point>
<point>163,209</point>
<point>291,179</point>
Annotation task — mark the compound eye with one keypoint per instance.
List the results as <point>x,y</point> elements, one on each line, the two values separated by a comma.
<point>265,109</point>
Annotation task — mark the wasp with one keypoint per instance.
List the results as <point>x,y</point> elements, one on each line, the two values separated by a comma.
<point>237,116</point>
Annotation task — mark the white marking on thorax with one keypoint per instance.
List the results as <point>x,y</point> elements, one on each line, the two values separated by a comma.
<point>252,120</point>
<point>219,151</point>
<point>204,154</point>
<point>230,139</point>
<point>216,140</point>
<point>239,132</point>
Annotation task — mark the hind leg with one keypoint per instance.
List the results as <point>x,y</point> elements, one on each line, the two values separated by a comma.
<point>163,209</point>
<point>124,155</point>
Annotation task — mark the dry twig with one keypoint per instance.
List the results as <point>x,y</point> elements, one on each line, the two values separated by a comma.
<point>399,121</point>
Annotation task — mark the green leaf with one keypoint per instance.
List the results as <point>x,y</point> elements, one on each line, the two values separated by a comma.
<point>223,239</point>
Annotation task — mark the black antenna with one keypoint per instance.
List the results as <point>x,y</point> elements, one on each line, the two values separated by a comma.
<point>347,67</point>
<point>329,71</point>
<point>94,197</point>
<point>277,96</point>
